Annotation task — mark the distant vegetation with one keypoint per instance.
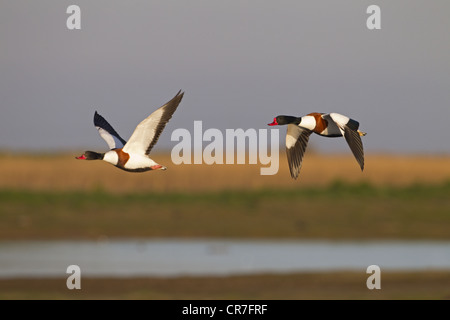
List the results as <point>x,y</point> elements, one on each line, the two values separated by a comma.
<point>339,211</point>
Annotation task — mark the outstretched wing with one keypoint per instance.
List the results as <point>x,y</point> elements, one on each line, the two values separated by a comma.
<point>148,131</point>
<point>350,132</point>
<point>107,132</point>
<point>296,142</point>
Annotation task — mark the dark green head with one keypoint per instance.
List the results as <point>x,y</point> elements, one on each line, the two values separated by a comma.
<point>91,155</point>
<point>282,120</point>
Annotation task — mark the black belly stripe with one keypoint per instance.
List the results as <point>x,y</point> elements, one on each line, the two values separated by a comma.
<point>134,170</point>
<point>330,135</point>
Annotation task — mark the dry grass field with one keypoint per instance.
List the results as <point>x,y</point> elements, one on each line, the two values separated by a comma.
<point>64,172</point>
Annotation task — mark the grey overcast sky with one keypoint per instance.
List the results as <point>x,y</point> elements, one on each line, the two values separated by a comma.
<point>240,63</point>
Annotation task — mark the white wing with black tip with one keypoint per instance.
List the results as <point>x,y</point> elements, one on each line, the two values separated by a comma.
<point>107,132</point>
<point>148,131</point>
<point>349,130</point>
<point>296,142</point>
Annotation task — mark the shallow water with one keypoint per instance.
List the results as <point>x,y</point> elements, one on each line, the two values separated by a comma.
<point>177,257</point>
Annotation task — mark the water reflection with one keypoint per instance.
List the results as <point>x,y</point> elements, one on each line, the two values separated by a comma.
<point>176,257</point>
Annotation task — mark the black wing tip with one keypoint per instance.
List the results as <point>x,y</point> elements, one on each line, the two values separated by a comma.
<point>172,105</point>
<point>296,152</point>
<point>97,115</point>
<point>354,141</point>
<point>294,162</point>
<point>179,95</point>
<point>98,119</point>
<point>175,101</point>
